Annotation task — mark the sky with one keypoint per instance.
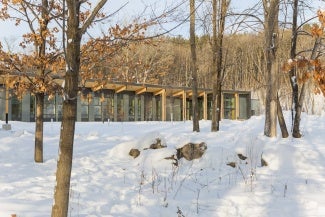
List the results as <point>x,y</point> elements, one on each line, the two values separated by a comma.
<point>107,182</point>
<point>11,35</point>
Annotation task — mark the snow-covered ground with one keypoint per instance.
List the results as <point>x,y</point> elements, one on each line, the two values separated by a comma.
<point>106,181</point>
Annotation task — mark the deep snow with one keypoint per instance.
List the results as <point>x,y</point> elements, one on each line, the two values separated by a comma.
<point>106,181</point>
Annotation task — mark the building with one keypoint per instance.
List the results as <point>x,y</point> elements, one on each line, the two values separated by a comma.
<point>130,102</point>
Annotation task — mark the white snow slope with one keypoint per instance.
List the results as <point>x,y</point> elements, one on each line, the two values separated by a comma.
<point>106,181</point>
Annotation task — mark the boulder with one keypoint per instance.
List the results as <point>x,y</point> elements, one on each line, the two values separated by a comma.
<point>191,151</point>
<point>156,145</point>
<point>134,152</point>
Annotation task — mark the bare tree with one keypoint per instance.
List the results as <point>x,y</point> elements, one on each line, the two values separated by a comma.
<point>220,8</point>
<point>75,31</point>
<point>271,12</point>
<point>195,108</point>
<point>297,100</point>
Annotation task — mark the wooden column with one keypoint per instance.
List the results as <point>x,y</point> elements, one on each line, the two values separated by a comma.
<point>205,105</point>
<point>184,105</point>
<point>162,93</point>
<point>163,105</point>
<point>237,106</point>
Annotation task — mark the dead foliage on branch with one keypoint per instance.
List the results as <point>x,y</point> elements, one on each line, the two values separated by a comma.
<point>310,68</point>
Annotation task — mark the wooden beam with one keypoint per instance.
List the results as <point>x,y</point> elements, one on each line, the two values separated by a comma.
<point>203,93</point>
<point>159,92</point>
<point>141,90</point>
<point>178,93</point>
<point>98,87</point>
<point>120,89</point>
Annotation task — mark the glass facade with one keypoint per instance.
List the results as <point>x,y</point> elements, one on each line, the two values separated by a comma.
<point>138,108</point>
<point>132,108</point>
<point>229,106</point>
<point>32,108</point>
<point>16,106</point>
<point>84,106</point>
<point>173,109</point>
<point>244,108</point>
<point>59,104</point>
<point>97,107</point>
<point>148,107</point>
<point>49,108</point>
<point>106,105</point>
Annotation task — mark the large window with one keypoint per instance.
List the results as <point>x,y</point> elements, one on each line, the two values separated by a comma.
<point>15,109</point>
<point>131,107</point>
<point>158,108</point>
<point>148,107</point>
<point>85,98</point>
<point>49,108</point>
<point>188,109</point>
<point>229,102</point>
<point>244,106</point>
<point>120,107</point>
<point>138,108</point>
<point>210,103</point>
<point>97,107</point>
<point>32,108</point>
<point>59,104</point>
<point>107,99</point>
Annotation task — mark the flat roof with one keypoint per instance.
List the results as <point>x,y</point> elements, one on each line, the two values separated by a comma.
<point>139,88</point>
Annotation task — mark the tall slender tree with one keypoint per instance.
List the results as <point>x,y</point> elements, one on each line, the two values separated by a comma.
<point>297,100</point>
<point>219,11</point>
<point>75,30</point>
<point>271,12</point>
<point>195,106</point>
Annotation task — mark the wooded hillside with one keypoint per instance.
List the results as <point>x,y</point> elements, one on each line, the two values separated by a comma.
<point>166,61</point>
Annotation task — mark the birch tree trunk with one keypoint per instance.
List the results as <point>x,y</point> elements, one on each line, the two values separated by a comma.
<point>292,75</point>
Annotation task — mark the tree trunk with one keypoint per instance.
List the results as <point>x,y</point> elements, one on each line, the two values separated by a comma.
<point>298,107</point>
<point>70,90</point>
<point>283,126</point>
<point>271,10</point>
<point>292,75</point>
<point>218,28</point>
<point>38,152</point>
<point>69,111</point>
<point>215,108</point>
<point>195,106</point>
<point>41,49</point>
<point>64,166</point>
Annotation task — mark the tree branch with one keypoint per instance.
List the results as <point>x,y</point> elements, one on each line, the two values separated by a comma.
<point>92,16</point>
